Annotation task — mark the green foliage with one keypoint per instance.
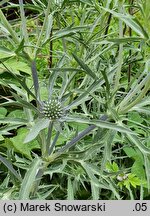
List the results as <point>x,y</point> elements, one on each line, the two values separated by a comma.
<point>91,58</point>
<point>112,167</point>
<point>3,112</point>
<point>131,180</point>
<point>17,143</point>
<point>138,165</point>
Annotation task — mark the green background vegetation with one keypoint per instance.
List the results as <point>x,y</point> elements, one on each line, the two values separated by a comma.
<point>93,57</point>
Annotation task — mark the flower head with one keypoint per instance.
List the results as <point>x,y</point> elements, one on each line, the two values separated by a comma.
<point>52,109</point>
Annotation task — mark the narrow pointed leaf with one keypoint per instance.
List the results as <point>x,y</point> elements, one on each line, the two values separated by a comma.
<point>10,167</point>
<point>130,21</point>
<point>102,124</point>
<point>29,179</point>
<point>84,66</point>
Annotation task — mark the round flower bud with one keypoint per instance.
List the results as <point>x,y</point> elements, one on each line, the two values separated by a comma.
<point>52,109</point>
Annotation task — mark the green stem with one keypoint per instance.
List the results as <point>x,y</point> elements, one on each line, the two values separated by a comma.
<point>130,34</point>
<point>42,141</point>
<point>28,112</point>
<point>35,81</point>
<point>75,140</point>
<point>54,142</point>
<point>120,56</point>
<point>48,141</point>
<point>131,194</point>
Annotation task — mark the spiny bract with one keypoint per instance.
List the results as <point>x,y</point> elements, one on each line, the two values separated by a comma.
<point>52,109</point>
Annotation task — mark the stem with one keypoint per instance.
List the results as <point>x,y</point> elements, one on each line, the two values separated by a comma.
<point>54,142</point>
<point>51,50</point>
<point>130,34</point>
<point>28,112</point>
<point>141,192</point>
<point>120,56</point>
<point>131,194</point>
<point>48,141</point>
<point>35,81</point>
<point>79,137</point>
<point>42,141</point>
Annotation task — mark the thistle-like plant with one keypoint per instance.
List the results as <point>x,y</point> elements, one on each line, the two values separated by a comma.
<point>89,93</point>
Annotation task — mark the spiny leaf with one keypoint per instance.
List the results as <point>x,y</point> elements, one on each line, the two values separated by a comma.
<point>10,167</point>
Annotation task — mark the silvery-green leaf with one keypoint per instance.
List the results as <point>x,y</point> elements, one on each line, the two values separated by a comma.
<point>40,124</point>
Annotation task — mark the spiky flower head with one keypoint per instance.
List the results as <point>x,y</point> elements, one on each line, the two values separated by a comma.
<point>52,109</point>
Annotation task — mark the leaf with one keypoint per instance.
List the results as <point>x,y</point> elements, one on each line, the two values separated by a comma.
<point>102,124</point>
<point>3,2</point>
<point>89,2</point>
<point>95,191</point>
<point>24,103</point>
<point>142,110</point>
<point>112,167</point>
<point>125,40</point>
<point>68,32</point>
<point>109,166</point>
<point>134,116</point>
<point>90,172</point>
<point>49,28</point>
<point>84,96</point>
<point>10,167</point>
<point>16,113</point>
<point>133,180</point>
<point>20,47</point>
<point>77,126</point>
<point>70,192</point>
<point>134,139</point>
<point>130,21</point>
<point>6,25</point>
<point>1,138</point>
<point>3,112</point>
<point>40,124</point>
<point>115,167</point>
<point>137,92</point>
<point>13,121</point>
<point>29,179</point>
<point>6,53</point>
<point>147,169</point>
<point>20,146</point>
<point>4,130</point>
<point>67,69</point>
<point>85,67</point>
<point>138,169</point>
<point>16,66</point>
<point>130,152</point>
<point>105,50</point>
